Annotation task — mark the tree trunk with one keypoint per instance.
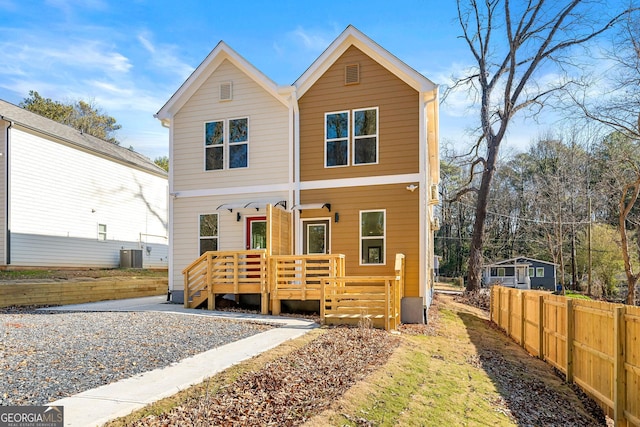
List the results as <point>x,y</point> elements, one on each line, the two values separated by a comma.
<point>474,275</point>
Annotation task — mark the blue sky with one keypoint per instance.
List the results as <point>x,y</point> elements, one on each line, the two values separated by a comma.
<point>130,57</point>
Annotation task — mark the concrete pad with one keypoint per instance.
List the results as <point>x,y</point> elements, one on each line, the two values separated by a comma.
<point>100,405</point>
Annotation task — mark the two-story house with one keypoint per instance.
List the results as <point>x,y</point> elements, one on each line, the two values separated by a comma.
<point>349,151</point>
<point>72,200</point>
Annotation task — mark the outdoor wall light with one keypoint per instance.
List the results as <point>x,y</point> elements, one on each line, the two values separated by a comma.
<point>238,217</point>
<point>336,217</point>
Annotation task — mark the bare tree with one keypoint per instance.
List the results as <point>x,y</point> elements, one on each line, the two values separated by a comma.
<point>511,43</point>
<point>618,108</point>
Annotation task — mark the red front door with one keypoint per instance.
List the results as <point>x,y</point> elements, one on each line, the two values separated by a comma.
<point>256,232</point>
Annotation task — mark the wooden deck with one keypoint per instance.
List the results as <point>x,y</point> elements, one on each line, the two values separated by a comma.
<point>297,277</point>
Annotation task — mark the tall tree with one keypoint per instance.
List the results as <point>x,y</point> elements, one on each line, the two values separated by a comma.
<point>619,109</point>
<point>511,44</point>
<point>163,162</point>
<point>81,115</point>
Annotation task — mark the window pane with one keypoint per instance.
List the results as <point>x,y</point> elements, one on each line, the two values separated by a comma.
<point>258,234</point>
<point>539,271</point>
<point>372,251</point>
<point>365,123</point>
<point>208,245</point>
<point>315,239</point>
<point>365,150</point>
<point>337,125</point>
<point>208,225</point>
<point>238,156</point>
<point>214,133</point>
<point>337,153</point>
<point>215,159</point>
<point>372,224</point>
<point>238,130</point>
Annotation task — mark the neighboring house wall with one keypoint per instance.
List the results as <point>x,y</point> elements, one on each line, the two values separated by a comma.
<point>548,280</point>
<point>60,195</point>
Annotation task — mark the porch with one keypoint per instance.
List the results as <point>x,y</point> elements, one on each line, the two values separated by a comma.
<point>343,300</point>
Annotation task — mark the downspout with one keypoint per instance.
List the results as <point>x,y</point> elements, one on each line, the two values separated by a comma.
<point>426,243</point>
<point>296,170</point>
<point>7,224</point>
<point>166,123</point>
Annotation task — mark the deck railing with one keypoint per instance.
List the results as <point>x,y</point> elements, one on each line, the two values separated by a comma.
<point>226,272</point>
<point>343,299</point>
<point>299,277</point>
<point>350,299</point>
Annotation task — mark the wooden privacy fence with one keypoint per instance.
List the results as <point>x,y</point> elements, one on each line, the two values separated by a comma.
<point>595,344</point>
<point>226,272</point>
<point>349,299</point>
<point>299,277</point>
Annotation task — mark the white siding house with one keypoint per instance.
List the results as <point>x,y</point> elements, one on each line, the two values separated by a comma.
<point>73,200</point>
<point>231,154</point>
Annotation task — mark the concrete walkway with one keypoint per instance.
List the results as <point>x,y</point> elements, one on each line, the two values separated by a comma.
<point>97,406</point>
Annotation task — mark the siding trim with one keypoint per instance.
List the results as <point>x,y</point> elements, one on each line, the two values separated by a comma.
<point>362,181</point>
<point>269,188</point>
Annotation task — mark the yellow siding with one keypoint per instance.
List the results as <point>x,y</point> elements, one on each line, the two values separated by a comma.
<point>268,133</point>
<point>398,118</point>
<point>402,226</point>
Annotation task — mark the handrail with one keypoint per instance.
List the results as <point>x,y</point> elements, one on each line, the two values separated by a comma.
<point>348,297</point>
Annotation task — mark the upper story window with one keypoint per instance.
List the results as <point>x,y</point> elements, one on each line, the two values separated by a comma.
<point>226,144</point>
<point>351,137</point>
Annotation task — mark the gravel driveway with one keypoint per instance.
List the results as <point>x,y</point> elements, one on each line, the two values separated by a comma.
<point>45,356</point>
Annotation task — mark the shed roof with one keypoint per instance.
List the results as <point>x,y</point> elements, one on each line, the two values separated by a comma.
<point>73,137</point>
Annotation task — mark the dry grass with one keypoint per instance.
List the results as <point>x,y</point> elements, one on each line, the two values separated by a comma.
<point>457,370</point>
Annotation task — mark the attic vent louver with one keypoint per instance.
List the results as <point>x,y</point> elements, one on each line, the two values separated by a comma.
<point>226,91</point>
<point>352,74</point>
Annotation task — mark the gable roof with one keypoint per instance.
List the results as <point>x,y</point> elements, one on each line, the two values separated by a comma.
<point>215,58</point>
<point>351,36</point>
<point>518,261</point>
<point>73,137</point>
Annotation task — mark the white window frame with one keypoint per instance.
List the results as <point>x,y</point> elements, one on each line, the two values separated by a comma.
<point>539,271</point>
<point>235,144</point>
<point>226,143</point>
<point>354,137</point>
<point>327,140</point>
<point>102,233</point>
<point>215,237</point>
<point>351,137</point>
<point>361,238</point>
<point>503,270</point>
<point>532,272</point>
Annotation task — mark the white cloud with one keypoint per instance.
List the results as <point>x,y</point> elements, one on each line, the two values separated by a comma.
<point>164,56</point>
<point>311,40</point>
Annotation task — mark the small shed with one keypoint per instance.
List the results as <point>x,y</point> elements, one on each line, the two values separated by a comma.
<point>521,273</point>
